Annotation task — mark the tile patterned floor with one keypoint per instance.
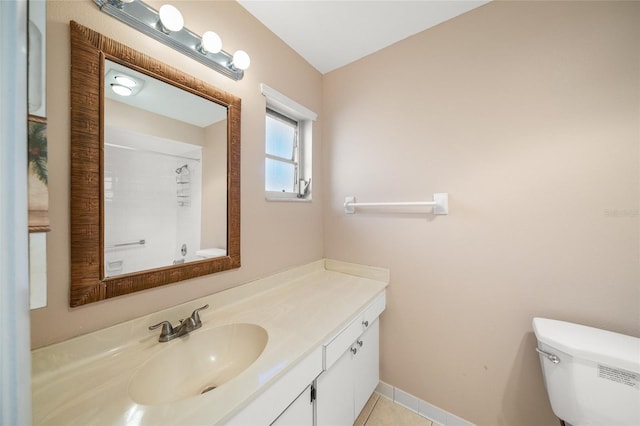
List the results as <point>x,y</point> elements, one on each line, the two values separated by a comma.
<point>381,411</point>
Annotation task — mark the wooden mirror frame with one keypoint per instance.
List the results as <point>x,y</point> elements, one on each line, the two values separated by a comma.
<point>89,50</point>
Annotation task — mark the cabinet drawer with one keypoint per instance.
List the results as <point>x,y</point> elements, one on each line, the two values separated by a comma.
<point>374,310</point>
<point>335,348</point>
<point>340,343</point>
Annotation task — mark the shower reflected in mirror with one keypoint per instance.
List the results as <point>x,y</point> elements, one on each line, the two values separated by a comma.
<point>158,158</point>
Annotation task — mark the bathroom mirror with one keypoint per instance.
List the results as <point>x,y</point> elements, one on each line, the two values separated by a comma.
<point>160,157</point>
<point>155,174</point>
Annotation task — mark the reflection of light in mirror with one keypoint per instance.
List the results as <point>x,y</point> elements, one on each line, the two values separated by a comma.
<point>123,80</point>
<point>115,75</point>
<point>121,90</point>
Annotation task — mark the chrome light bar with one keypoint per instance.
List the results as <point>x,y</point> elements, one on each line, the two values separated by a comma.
<point>146,19</point>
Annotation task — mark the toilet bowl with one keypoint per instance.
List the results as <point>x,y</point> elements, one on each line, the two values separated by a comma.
<point>592,376</point>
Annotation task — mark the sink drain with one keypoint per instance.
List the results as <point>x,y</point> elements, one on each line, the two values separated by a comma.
<point>207,389</point>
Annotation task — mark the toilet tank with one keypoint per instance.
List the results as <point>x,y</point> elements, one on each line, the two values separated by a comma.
<point>592,376</point>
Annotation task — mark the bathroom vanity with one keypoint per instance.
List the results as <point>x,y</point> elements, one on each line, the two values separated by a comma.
<point>296,348</point>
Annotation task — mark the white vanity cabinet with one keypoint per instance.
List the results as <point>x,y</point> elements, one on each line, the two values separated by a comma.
<point>306,374</point>
<point>288,400</point>
<point>299,413</point>
<point>366,366</point>
<point>351,369</point>
<point>345,370</point>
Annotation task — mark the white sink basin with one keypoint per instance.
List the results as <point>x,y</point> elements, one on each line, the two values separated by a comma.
<point>197,363</point>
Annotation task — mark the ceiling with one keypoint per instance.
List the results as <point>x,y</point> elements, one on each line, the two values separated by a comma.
<point>330,34</point>
<point>151,95</point>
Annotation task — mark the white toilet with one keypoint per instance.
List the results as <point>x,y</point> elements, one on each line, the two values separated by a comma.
<point>211,253</point>
<point>592,376</point>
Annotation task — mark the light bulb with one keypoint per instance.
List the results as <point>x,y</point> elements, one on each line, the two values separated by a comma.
<point>121,90</point>
<point>211,42</point>
<point>241,60</point>
<point>171,18</point>
<point>125,81</point>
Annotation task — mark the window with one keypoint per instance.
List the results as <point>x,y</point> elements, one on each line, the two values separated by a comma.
<point>288,134</point>
<point>281,157</point>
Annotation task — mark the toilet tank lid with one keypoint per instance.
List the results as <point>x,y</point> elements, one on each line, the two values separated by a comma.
<point>602,346</point>
<point>211,252</point>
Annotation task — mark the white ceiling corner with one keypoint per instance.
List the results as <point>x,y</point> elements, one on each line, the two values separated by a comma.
<point>330,34</point>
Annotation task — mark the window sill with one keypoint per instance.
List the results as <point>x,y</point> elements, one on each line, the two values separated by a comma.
<point>278,197</point>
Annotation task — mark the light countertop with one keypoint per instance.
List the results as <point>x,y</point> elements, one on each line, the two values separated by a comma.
<point>85,380</point>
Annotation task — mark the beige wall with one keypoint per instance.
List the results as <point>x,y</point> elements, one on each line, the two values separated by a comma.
<point>120,114</point>
<point>527,114</point>
<point>274,235</point>
<point>214,182</point>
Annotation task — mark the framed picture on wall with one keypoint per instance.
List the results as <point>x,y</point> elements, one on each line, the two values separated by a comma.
<point>37,175</point>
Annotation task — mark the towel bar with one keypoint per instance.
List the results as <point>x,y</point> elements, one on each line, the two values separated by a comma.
<point>440,204</point>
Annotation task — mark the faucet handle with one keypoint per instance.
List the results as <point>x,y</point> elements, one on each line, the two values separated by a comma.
<point>167,330</point>
<point>195,317</point>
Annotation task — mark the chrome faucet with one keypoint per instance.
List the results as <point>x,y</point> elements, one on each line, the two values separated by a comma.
<point>186,326</point>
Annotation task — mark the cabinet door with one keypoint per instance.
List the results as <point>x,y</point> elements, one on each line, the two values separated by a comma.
<point>334,397</point>
<point>299,413</point>
<point>366,366</point>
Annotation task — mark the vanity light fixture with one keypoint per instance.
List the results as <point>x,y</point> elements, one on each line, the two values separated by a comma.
<point>241,60</point>
<point>167,26</point>
<point>210,42</point>
<point>171,19</point>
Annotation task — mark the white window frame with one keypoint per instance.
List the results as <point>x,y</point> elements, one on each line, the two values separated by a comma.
<point>287,107</point>
<point>294,158</point>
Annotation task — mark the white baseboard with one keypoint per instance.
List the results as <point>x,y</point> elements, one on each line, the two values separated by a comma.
<point>420,407</point>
